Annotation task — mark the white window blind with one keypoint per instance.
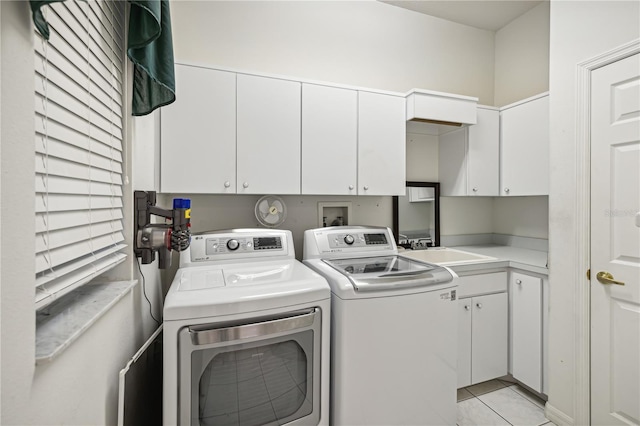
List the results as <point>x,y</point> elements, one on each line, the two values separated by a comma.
<point>79,145</point>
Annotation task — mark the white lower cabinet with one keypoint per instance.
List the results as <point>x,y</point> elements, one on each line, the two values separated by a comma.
<point>482,328</point>
<point>526,331</point>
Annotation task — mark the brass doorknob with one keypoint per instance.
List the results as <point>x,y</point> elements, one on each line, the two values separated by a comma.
<point>606,278</point>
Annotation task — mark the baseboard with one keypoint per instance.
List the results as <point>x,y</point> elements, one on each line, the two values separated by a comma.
<point>556,416</point>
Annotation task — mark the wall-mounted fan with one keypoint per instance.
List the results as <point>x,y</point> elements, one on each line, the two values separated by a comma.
<point>270,211</point>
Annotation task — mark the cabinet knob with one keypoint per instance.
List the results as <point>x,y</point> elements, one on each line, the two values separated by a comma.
<point>518,282</point>
<point>506,190</point>
<point>467,307</point>
<point>227,184</point>
<point>475,189</point>
<point>350,187</point>
<point>479,305</point>
<point>366,187</point>
<point>245,185</point>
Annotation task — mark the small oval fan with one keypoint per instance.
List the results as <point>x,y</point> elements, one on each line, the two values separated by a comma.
<point>270,211</point>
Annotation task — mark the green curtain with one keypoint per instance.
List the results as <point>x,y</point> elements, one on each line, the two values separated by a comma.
<point>38,18</point>
<point>149,46</point>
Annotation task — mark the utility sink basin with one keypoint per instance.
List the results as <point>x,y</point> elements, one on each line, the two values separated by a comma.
<point>446,256</point>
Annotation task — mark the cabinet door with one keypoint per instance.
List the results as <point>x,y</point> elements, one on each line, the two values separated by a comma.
<point>198,133</point>
<point>464,342</point>
<point>469,157</point>
<point>489,330</point>
<point>329,140</point>
<point>268,135</point>
<point>524,152</point>
<point>381,144</point>
<point>526,329</point>
<point>483,154</point>
<point>452,163</point>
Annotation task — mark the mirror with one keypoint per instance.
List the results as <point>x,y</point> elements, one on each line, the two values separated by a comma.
<point>416,216</point>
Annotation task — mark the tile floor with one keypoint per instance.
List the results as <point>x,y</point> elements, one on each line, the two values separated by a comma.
<point>499,402</point>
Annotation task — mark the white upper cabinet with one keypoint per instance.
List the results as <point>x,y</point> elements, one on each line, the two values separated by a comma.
<point>469,157</point>
<point>381,144</point>
<point>198,133</point>
<point>240,133</point>
<point>268,135</point>
<point>524,147</point>
<point>329,140</point>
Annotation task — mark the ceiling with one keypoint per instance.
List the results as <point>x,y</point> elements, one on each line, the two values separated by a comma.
<point>484,14</point>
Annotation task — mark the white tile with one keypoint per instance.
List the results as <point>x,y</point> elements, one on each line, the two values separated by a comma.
<point>516,409</point>
<point>473,412</point>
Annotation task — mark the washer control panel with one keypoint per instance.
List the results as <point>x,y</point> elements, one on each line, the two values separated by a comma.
<point>239,244</point>
<point>348,239</point>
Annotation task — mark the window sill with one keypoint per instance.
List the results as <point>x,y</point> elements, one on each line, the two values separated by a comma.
<point>61,323</point>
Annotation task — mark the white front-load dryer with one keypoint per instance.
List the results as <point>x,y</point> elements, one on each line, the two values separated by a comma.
<point>246,334</point>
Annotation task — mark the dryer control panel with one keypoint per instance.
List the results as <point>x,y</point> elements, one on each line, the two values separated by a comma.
<point>238,244</point>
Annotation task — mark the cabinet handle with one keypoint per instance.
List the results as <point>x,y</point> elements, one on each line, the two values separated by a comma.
<point>518,282</point>
<point>227,184</point>
<point>245,185</point>
<point>350,187</point>
<point>366,187</point>
<point>475,189</point>
<point>479,305</point>
<point>506,190</point>
<point>467,307</point>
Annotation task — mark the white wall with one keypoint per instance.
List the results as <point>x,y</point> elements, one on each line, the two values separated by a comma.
<point>363,43</point>
<point>80,386</point>
<point>522,216</point>
<point>522,57</point>
<point>580,30</point>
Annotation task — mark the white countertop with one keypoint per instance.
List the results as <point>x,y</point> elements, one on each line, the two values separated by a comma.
<point>505,256</point>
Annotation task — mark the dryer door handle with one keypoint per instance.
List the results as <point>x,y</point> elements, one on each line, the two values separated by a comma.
<point>257,328</point>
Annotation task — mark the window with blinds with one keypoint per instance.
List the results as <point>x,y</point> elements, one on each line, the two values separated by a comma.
<point>79,81</point>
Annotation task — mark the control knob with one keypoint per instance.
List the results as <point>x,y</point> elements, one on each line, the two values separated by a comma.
<point>349,239</point>
<point>233,244</point>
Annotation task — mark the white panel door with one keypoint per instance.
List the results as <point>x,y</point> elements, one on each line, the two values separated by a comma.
<point>526,329</point>
<point>524,148</point>
<point>464,342</point>
<point>329,140</point>
<point>198,133</point>
<point>489,350</point>
<point>381,144</point>
<point>615,243</point>
<point>268,135</point>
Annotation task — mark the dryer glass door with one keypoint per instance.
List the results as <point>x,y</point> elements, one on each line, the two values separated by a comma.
<point>257,373</point>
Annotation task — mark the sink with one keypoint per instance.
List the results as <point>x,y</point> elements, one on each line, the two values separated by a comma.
<point>446,256</point>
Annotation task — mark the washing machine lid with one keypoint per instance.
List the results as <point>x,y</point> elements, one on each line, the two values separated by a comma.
<point>381,273</point>
<point>212,291</point>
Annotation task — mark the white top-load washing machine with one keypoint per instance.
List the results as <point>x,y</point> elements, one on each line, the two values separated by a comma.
<point>246,334</point>
<point>393,338</point>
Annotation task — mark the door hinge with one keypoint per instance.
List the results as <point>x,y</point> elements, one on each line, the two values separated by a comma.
<point>589,274</point>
